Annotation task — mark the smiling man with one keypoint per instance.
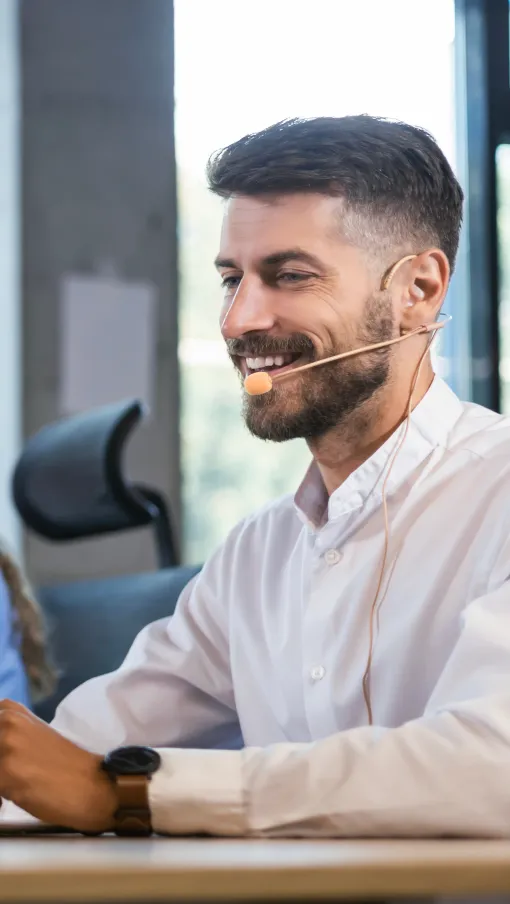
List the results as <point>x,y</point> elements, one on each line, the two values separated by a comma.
<point>356,635</point>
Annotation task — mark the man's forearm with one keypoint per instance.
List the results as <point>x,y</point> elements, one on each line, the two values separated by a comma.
<point>434,776</point>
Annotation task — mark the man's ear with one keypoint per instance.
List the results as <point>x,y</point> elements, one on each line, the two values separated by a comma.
<point>422,289</point>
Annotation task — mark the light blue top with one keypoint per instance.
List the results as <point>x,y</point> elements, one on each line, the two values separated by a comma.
<point>13,680</point>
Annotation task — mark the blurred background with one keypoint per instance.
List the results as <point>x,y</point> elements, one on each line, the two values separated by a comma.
<point>109,110</point>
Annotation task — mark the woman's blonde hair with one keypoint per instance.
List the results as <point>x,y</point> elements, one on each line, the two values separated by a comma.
<point>30,624</point>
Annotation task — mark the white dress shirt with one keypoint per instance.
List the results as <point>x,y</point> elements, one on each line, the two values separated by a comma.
<point>271,640</point>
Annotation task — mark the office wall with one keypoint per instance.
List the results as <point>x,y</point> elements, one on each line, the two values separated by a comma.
<point>98,194</point>
<point>10,361</point>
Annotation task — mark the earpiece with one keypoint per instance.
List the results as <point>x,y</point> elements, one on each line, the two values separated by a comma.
<point>417,293</point>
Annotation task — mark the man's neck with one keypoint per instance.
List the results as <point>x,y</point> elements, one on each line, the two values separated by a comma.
<point>343,450</point>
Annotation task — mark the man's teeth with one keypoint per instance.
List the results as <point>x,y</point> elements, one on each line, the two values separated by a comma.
<point>269,361</point>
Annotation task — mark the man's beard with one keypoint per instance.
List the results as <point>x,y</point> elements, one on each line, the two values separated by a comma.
<point>316,401</point>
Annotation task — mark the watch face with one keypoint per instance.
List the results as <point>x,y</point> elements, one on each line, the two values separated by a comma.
<point>132,761</point>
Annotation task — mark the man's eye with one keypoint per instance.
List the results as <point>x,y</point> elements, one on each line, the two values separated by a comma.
<point>293,277</point>
<point>230,282</point>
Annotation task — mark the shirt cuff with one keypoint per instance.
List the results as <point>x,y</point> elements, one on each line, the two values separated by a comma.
<point>198,791</point>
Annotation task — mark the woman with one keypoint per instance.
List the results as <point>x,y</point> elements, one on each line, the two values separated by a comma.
<point>25,672</point>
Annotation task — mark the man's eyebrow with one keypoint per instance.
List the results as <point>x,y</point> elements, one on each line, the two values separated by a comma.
<point>291,254</point>
<point>272,260</point>
<point>225,262</point>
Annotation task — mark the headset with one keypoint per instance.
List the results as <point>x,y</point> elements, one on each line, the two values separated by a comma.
<point>261,382</point>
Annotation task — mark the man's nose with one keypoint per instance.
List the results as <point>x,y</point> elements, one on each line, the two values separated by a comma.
<point>250,309</point>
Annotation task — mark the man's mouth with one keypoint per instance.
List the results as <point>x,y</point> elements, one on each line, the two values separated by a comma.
<point>272,364</point>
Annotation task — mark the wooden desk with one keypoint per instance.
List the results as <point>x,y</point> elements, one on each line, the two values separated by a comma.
<point>109,869</point>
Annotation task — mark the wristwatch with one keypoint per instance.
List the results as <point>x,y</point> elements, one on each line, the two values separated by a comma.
<point>131,768</point>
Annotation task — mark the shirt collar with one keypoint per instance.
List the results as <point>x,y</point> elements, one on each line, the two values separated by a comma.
<point>430,424</point>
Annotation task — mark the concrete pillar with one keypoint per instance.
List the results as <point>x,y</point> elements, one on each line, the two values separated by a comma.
<point>99,191</point>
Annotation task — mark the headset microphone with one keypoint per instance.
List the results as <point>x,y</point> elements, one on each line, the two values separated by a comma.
<point>261,382</point>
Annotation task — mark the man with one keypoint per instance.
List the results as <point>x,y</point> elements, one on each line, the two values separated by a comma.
<point>406,732</point>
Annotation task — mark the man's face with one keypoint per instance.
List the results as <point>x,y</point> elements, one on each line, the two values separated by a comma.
<point>295,291</point>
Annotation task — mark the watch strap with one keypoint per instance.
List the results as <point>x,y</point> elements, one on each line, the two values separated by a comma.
<point>133,815</point>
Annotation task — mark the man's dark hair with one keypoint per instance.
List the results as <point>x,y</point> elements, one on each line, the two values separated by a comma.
<point>396,185</point>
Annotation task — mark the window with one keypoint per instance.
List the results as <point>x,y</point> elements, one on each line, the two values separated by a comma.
<point>241,65</point>
<point>503,232</point>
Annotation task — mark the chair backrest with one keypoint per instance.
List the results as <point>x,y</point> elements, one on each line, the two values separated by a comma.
<point>92,624</point>
<point>68,483</point>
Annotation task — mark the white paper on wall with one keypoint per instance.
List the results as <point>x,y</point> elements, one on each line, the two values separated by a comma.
<point>107,342</point>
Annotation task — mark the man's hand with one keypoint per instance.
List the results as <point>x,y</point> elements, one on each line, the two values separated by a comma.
<point>50,777</point>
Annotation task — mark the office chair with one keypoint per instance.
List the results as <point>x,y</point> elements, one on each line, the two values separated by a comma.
<point>68,484</point>
<point>92,624</point>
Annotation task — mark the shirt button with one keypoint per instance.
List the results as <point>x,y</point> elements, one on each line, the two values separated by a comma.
<point>332,556</point>
<point>318,673</point>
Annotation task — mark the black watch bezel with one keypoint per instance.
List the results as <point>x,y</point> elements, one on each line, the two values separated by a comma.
<point>131,760</point>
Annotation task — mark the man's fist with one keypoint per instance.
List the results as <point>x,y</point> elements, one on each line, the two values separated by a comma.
<point>50,777</point>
